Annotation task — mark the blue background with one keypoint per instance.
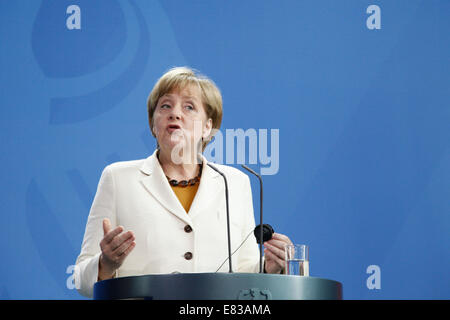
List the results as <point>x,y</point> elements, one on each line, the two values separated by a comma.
<point>363,118</point>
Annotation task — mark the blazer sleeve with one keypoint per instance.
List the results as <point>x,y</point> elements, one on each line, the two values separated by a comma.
<point>249,253</point>
<point>103,206</point>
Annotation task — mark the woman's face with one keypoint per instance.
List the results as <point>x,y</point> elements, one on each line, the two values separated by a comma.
<point>180,119</point>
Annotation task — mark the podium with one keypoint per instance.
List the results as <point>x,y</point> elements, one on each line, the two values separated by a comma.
<point>218,286</point>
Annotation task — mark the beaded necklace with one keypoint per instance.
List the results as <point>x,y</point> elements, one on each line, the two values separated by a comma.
<point>184,183</point>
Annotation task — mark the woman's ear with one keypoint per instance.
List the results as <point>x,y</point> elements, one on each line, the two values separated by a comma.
<point>207,128</point>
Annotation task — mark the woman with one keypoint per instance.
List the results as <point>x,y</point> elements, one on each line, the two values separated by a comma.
<point>167,213</point>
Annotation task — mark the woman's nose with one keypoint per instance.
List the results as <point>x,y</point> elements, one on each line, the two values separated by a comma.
<point>175,114</point>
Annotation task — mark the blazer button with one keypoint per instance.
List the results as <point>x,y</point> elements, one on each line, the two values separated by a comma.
<point>188,228</point>
<point>188,255</point>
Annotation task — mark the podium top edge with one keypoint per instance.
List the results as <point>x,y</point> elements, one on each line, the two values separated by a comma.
<point>217,275</point>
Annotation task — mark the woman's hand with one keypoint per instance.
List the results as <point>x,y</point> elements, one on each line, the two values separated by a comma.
<point>274,253</point>
<point>115,247</point>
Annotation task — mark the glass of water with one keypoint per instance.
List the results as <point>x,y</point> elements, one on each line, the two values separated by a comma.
<point>297,259</point>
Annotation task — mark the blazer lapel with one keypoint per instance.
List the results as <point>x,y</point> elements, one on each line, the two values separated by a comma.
<point>155,182</point>
<point>211,183</point>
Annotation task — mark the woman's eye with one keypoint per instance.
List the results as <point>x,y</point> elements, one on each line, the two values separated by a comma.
<point>165,106</point>
<point>189,107</point>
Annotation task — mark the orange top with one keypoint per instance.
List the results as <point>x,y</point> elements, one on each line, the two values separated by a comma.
<point>186,195</point>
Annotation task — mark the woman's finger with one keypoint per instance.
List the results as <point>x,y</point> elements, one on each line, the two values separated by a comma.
<point>112,234</point>
<point>275,258</point>
<point>277,243</point>
<point>128,250</point>
<point>275,251</point>
<point>106,226</point>
<point>282,237</point>
<point>120,239</point>
<point>123,247</point>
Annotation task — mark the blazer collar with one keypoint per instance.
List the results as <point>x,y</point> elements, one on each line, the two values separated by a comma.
<point>155,182</point>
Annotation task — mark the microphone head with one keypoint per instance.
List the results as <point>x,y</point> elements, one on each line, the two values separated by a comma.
<point>267,232</point>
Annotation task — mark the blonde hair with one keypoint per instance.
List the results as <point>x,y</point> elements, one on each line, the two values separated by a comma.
<point>180,77</point>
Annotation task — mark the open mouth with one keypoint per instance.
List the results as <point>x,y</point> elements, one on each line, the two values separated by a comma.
<point>172,127</point>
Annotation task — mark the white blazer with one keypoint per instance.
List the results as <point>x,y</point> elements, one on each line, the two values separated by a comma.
<point>136,195</point>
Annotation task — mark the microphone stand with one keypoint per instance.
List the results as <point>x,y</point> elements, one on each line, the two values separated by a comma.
<point>260,216</point>
<point>228,215</point>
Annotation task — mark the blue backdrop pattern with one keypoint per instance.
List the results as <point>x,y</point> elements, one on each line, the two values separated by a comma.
<point>363,117</point>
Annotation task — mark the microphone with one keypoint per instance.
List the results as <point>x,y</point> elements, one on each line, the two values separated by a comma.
<point>230,270</point>
<point>265,233</point>
<point>261,234</point>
